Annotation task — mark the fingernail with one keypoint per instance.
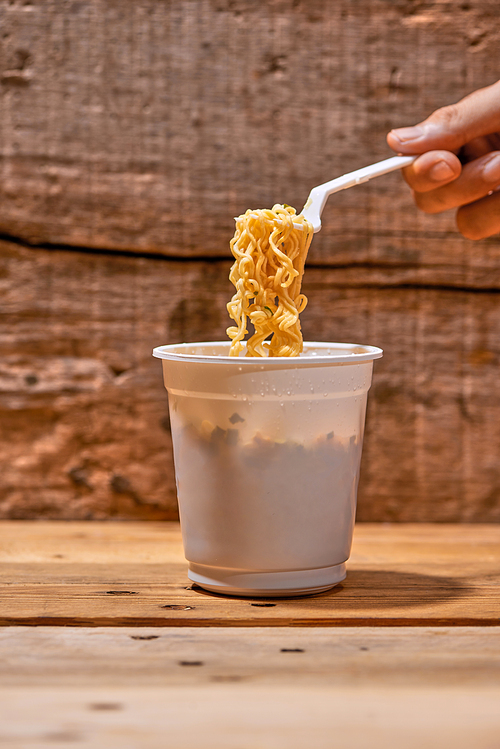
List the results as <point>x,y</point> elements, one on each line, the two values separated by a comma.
<point>491,170</point>
<point>441,172</point>
<point>405,134</point>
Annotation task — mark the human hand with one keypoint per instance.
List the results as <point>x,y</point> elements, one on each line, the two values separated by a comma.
<point>460,162</point>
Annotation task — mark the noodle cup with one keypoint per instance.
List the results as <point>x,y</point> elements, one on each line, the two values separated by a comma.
<point>267,455</point>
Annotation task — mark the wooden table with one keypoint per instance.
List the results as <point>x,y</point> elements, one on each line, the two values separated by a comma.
<point>106,644</point>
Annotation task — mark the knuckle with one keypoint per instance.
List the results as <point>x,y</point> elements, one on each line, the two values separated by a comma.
<point>446,115</point>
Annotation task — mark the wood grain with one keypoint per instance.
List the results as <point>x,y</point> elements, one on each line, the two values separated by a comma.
<point>121,119</point>
<point>84,430</point>
<point>230,687</point>
<point>225,716</point>
<point>140,129</point>
<point>108,574</point>
<point>404,657</point>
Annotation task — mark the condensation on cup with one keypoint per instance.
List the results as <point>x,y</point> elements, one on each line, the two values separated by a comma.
<point>267,456</point>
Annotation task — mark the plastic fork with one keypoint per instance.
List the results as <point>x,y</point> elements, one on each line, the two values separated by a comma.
<point>318,195</point>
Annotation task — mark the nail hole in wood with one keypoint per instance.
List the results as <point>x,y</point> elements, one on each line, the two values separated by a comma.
<point>364,648</point>
<point>105,706</point>
<point>264,605</point>
<point>191,663</point>
<point>177,607</point>
<point>62,736</point>
<point>144,637</point>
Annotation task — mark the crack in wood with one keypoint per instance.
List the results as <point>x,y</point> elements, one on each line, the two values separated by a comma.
<point>314,265</point>
<point>119,253</point>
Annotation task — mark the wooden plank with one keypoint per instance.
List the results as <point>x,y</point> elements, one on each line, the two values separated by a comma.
<point>123,120</point>
<point>121,691</point>
<point>134,574</point>
<point>84,429</point>
<point>388,657</point>
<point>270,688</point>
<point>225,716</point>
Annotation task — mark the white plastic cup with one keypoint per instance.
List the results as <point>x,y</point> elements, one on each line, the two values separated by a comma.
<point>267,455</point>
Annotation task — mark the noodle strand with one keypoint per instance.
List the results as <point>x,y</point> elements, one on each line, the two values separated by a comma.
<point>267,273</point>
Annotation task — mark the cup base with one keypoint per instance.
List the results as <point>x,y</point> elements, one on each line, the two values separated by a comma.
<point>266,584</point>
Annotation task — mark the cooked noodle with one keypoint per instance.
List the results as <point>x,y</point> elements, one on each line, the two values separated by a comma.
<point>267,273</point>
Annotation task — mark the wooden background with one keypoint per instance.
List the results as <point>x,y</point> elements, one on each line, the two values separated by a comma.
<point>131,132</point>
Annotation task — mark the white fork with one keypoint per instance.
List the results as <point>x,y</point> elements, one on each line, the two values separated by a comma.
<point>318,195</point>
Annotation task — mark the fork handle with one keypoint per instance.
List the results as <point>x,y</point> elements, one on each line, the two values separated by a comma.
<point>318,195</point>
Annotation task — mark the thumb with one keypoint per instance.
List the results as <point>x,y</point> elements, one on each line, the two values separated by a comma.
<point>450,128</point>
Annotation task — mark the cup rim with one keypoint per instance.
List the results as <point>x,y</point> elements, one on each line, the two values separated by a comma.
<point>345,353</point>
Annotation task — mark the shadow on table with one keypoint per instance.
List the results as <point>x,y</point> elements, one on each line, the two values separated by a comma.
<point>377,589</point>
<point>390,589</point>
